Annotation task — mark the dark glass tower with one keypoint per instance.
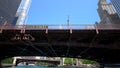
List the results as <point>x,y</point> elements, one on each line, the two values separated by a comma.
<point>107,13</point>
<point>8,10</point>
<point>116,4</point>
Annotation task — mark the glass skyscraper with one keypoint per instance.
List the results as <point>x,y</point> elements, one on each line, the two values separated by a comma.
<point>116,4</point>
<point>8,9</point>
<point>22,12</point>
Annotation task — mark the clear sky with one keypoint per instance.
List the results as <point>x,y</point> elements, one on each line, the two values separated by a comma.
<point>57,12</point>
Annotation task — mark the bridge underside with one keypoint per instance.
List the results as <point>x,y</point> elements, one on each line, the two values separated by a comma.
<point>103,47</point>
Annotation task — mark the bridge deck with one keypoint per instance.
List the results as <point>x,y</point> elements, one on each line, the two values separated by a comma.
<point>82,43</point>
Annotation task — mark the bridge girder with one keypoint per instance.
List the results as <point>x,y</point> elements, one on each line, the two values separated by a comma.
<point>103,47</point>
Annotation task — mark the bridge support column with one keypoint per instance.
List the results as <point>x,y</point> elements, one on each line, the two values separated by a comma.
<point>61,61</point>
<point>96,29</point>
<point>23,29</point>
<point>77,62</point>
<point>15,62</point>
<point>46,30</point>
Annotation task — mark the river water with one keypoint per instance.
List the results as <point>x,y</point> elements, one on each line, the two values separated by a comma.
<point>30,67</point>
<point>54,67</point>
<point>34,66</point>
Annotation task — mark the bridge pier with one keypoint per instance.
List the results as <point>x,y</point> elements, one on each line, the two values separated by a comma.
<point>14,61</point>
<point>77,62</point>
<point>61,61</point>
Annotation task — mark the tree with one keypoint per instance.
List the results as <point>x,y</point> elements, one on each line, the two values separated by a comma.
<point>85,61</point>
<point>8,60</point>
<point>68,61</point>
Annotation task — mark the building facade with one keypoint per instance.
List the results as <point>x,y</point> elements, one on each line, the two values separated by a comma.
<point>116,4</point>
<point>107,13</point>
<point>8,10</point>
<point>22,12</point>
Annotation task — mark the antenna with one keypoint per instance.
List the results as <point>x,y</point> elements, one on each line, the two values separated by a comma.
<point>68,21</point>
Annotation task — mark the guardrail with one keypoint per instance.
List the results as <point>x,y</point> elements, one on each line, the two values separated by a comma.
<point>48,27</point>
<point>61,26</point>
<point>73,26</point>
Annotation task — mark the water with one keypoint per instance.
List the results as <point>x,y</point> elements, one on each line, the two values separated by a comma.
<point>34,66</point>
<point>30,67</point>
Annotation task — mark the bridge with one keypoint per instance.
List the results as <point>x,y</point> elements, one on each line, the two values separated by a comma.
<point>94,42</point>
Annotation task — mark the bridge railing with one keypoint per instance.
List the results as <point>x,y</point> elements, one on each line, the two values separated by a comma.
<point>48,27</point>
<point>73,26</point>
<point>112,27</point>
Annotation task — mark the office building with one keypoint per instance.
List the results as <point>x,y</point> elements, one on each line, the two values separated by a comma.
<point>116,4</point>
<point>8,10</point>
<point>22,13</point>
<point>107,13</point>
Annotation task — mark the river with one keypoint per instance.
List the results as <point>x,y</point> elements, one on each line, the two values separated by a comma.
<point>30,67</point>
<point>53,67</point>
<point>34,66</point>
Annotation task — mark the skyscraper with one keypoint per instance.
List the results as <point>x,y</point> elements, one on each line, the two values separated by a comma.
<point>8,10</point>
<point>107,13</point>
<point>22,12</point>
<point>116,4</point>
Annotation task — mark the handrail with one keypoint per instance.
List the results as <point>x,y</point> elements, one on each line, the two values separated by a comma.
<point>62,26</point>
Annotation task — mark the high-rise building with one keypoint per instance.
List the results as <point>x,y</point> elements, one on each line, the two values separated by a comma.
<point>116,4</point>
<point>22,12</point>
<point>107,13</point>
<point>8,10</point>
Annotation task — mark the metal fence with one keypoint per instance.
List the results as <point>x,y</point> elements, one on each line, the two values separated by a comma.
<point>74,26</point>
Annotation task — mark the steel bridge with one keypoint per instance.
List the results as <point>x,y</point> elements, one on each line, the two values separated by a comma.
<point>94,42</point>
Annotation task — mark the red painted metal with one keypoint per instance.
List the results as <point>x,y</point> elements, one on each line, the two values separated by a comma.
<point>47,27</point>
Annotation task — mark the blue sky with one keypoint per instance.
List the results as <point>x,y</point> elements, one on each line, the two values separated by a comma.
<point>57,12</point>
